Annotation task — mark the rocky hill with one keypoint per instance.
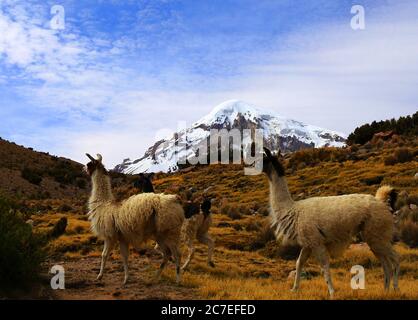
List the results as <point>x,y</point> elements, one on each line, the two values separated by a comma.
<point>28,174</point>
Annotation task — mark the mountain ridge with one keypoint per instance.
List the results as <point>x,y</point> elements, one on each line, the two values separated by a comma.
<point>278,133</point>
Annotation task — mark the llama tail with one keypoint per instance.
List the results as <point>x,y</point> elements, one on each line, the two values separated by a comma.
<point>388,195</point>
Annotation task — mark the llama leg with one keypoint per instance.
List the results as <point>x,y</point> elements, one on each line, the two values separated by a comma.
<point>107,248</point>
<point>396,269</point>
<point>177,260</point>
<point>175,251</point>
<point>166,256</point>
<point>392,258</point>
<point>303,257</point>
<point>381,254</point>
<point>206,239</point>
<point>322,256</point>
<point>387,269</point>
<point>190,256</point>
<point>124,250</point>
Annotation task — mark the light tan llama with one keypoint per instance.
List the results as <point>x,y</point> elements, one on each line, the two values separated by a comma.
<point>196,226</point>
<point>324,226</point>
<point>134,220</point>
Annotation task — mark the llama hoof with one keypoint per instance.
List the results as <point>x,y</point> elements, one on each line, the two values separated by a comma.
<point>211,264</point>
<point>294,289</point>
<point>99,277</point>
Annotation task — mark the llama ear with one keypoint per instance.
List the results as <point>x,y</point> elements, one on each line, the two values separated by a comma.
<point>99,157</point>
<point>267,152</point>
<point>90,157</point>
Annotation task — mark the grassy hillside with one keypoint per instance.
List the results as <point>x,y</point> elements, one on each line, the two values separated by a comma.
<point>28,174</point>
<point>249,263</point>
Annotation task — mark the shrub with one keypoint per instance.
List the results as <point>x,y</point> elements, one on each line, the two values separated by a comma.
<point>234,213</point>
<point>20,250</point>
<point>244,209</point>
<point>312,157</point>
<point>31,175</point>
<point>409,233</point>
<point>403,155</point>
<point>390,161</point>
<point>81,183</point>
<point>59,228</point>
<point>288,251</point>
<point>264,211</point>
<point>372,180</point>
<point>403,126</point>
<point>264,235</point>
<point>65,208</point>
<point>64,173</point>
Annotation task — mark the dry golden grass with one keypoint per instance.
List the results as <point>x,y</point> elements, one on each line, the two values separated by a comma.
<point>241,273</point>
<point>235,277</point>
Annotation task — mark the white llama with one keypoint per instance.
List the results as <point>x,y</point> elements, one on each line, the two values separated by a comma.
<point>324,226</point>
<point>134,220</point>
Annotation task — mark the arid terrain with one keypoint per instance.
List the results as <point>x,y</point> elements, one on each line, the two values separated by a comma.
<point>250,264</point>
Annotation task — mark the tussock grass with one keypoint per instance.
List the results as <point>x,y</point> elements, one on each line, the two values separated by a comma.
<point>247,263</point>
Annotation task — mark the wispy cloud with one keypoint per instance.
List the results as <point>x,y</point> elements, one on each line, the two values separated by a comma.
<point>109,82</point>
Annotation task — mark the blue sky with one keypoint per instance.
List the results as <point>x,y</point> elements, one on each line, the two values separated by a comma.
<point>123,72</point>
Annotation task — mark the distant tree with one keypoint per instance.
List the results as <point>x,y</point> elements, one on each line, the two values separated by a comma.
<point>407,126</point>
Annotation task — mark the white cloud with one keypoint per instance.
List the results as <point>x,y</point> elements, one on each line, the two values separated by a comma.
<point>330,76</point>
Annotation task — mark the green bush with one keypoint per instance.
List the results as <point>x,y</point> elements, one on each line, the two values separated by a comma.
<point>31,175</point>
<point>64,173</point>
<point>402,126</point>
<point>20,250</point>
<point>81,183</point>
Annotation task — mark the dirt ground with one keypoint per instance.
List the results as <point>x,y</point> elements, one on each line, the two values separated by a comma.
<point>81,283</point>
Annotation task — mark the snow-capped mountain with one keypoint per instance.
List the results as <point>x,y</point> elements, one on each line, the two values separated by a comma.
<point>278,133</point>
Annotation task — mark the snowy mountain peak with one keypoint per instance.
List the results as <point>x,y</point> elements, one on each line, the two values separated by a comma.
<point>229,110</point>
<point>278,133</point>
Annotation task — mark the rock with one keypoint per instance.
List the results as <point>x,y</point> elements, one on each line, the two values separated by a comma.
<point>59,228</point>
<point>223,225</point>
<point>263,275</point>
<point>116,293</point>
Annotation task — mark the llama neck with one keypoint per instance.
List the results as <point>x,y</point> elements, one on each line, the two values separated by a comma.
<point>101,191</point>
<point>280,198</point>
